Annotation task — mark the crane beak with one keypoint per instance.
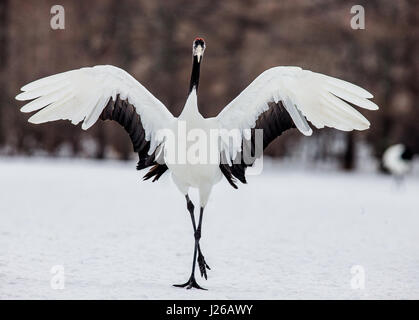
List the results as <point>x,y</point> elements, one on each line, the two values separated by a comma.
<point>199,52</point>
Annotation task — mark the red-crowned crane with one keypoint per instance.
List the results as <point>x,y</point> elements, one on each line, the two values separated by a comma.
<point>279,99</point>
<point>397,160</point>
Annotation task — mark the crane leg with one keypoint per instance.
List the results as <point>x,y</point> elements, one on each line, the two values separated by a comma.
<point>203,266</point>
<point>198,256</point>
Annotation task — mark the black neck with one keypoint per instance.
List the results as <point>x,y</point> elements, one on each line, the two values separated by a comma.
<point>195,74</point>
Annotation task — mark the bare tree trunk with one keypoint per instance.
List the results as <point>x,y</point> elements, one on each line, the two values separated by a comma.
<point>348,161</point>
<point>4,6</point>
<point>101,141</point>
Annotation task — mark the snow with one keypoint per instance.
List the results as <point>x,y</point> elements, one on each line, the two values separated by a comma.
<point>289,234</point>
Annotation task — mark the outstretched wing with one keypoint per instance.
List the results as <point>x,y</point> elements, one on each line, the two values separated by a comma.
<point>284,97</point>
<point>105,92</point>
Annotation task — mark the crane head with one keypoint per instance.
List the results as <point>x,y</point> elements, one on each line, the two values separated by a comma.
<point>198,48</point>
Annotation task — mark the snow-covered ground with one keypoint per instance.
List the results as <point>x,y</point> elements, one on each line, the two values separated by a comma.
<point>288,234</point>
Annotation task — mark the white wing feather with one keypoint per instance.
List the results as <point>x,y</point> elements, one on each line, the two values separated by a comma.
<point>304,94</point>
<point>81,95</point>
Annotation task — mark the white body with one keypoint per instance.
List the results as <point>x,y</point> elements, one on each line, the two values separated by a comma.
<point>191,169</point>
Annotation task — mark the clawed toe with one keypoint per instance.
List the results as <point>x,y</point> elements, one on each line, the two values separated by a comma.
<point>203,266</point>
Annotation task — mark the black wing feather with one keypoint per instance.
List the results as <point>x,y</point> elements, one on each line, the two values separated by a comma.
<point>274,122</point>
<point>124,113</point>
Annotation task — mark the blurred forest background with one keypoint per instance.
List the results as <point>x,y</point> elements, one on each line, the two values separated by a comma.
<point>152,40</point>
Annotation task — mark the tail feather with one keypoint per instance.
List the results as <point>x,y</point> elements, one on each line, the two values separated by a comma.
<point>156,171</point>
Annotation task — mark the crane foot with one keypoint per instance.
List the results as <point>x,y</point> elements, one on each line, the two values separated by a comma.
<point>191,283</point>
